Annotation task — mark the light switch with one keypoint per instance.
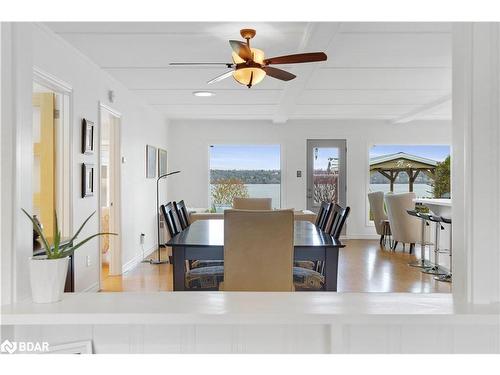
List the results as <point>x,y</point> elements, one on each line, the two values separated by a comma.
<point>299,174</point>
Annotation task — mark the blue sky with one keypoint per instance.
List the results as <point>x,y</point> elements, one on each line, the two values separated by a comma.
<point>268,156</point>
<point>245,157</point>
<point>435,152</point>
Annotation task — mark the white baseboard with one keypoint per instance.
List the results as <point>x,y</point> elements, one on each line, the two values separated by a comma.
<point>91,289</point>
<point>137,259</point>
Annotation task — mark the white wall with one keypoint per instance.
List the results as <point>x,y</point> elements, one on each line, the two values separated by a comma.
<point>36,46</point>
<point>189,141</point>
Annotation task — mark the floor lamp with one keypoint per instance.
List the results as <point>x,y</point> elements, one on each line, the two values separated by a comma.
<point>159,261</point>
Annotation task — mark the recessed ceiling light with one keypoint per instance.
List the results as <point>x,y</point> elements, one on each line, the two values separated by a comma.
<point>203,93</point>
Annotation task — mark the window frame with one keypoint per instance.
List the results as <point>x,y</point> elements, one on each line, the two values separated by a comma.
<point>248,143</point>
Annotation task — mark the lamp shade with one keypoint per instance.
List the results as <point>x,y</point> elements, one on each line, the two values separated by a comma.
<point>252,75</point>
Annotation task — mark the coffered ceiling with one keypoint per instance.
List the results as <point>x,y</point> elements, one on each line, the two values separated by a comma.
<point>393,71</point>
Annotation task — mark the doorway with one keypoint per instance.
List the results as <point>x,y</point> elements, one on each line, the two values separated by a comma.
<point>51,183</point>
<point>326,172</point>
<point>109,193</point>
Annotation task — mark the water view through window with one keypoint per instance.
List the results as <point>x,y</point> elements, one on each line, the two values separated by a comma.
<point>251,171</point>
<point>424,170</point>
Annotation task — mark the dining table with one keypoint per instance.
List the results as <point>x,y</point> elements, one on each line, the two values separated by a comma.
<point>204,240</point>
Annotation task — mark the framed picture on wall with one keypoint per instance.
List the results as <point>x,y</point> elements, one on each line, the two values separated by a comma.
<point>162,162</point>
<point>87,137</point>
<point>150,161</point>
<point>87,180</point>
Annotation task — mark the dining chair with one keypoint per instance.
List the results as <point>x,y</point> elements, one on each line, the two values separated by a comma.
<point>321,214</point>
<point>376,200</point>
<point>339,219</point>
<point>327,216</point>
<point>252,203</point>
<point>168,216</point>
<point>200,275</point>
<point>258,250</point>
<point>404,228</point>
<point>323,220</point>
<point>305,278</point>
<point>182,214</point>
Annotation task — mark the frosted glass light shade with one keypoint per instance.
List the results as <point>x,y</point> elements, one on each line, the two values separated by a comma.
<point>253,75</point>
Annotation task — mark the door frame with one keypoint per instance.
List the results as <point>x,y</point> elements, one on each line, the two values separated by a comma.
<point>341,144</point>
<point>64,146</point>
<point>115,264</point>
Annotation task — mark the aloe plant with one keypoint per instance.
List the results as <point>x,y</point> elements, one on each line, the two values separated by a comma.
<point>58,251</point>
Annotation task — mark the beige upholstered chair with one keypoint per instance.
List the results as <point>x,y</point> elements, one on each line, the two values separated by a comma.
<point>252,203</point>
<point>376,200</point>
<point>404,228</point>
<point>258,250</point>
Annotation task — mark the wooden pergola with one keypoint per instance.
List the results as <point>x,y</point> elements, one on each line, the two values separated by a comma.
<point>390,166</point>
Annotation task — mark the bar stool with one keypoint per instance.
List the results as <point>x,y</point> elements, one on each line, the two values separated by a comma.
<point>448,277</point>
<point>386,234</point>
<point>435,268</point>
<point>422,262</point>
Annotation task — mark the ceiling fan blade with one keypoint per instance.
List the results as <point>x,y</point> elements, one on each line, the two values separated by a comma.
<point>297,58</point>
<point>241,49</point>
<point>278,73</point>
<point>220,77</point>
<point>229,65</point>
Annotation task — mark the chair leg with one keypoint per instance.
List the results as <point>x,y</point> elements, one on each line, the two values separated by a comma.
<point>412,248</point>
<point>394,245</point>
<point>381,240</point>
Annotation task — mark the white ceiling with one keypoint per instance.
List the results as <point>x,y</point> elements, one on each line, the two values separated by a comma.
<point>393,71</point>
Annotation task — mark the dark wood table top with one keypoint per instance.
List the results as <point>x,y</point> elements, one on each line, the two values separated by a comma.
<point>211,233</point>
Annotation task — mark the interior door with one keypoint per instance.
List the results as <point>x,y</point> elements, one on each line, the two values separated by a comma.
<point>326,172</point>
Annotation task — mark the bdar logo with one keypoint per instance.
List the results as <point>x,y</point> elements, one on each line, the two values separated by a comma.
<point>8,347</point>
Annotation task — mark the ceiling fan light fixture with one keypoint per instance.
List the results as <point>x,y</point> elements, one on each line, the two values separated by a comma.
<point>249,76</point>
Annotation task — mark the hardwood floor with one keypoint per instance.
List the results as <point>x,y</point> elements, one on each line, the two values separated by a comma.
<point>363,267</point>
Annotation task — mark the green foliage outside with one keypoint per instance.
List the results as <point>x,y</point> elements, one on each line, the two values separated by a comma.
<point>441,185</point>
<point>224,190</point>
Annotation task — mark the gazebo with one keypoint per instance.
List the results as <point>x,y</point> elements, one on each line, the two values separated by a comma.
<point>391,165</point>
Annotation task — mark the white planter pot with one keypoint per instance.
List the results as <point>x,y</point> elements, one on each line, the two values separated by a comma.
<point>48,277</point>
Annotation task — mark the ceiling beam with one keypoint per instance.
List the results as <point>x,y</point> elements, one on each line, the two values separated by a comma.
<point>423,110</point>
<point>318,37</point>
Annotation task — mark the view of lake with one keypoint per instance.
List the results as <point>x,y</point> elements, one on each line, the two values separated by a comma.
<point>264,191</point>
<point>273,190</point>
<point>420,190</point>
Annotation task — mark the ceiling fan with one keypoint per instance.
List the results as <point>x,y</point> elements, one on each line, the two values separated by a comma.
<point>249,67</point>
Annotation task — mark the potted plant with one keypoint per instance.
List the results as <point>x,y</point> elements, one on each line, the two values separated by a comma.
<point>48,272</point>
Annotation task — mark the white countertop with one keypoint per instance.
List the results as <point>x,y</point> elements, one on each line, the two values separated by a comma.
<point>244,308</point>
<point>436,202</point>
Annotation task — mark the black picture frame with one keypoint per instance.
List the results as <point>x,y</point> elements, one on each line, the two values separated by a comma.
<point>88,137</point>
<point>88,180</point>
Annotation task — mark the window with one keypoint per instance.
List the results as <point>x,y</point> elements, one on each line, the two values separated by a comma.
<point>424,170</point>
<point>252,171</point>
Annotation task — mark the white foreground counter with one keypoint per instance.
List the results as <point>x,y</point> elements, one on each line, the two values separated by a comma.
<point>440,207</point>
<point>223,322</point>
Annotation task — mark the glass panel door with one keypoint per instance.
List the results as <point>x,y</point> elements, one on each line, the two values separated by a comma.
<point>326,172</point>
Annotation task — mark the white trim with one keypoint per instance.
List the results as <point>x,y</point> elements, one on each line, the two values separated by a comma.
<point>116,258</point>
<point>423,110</point>
<point>50,81</point>
<point>283,192</point>
<point>138,258</point>
<point>78,347</point>
<point>92,288</point>
<point>64,89</point>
